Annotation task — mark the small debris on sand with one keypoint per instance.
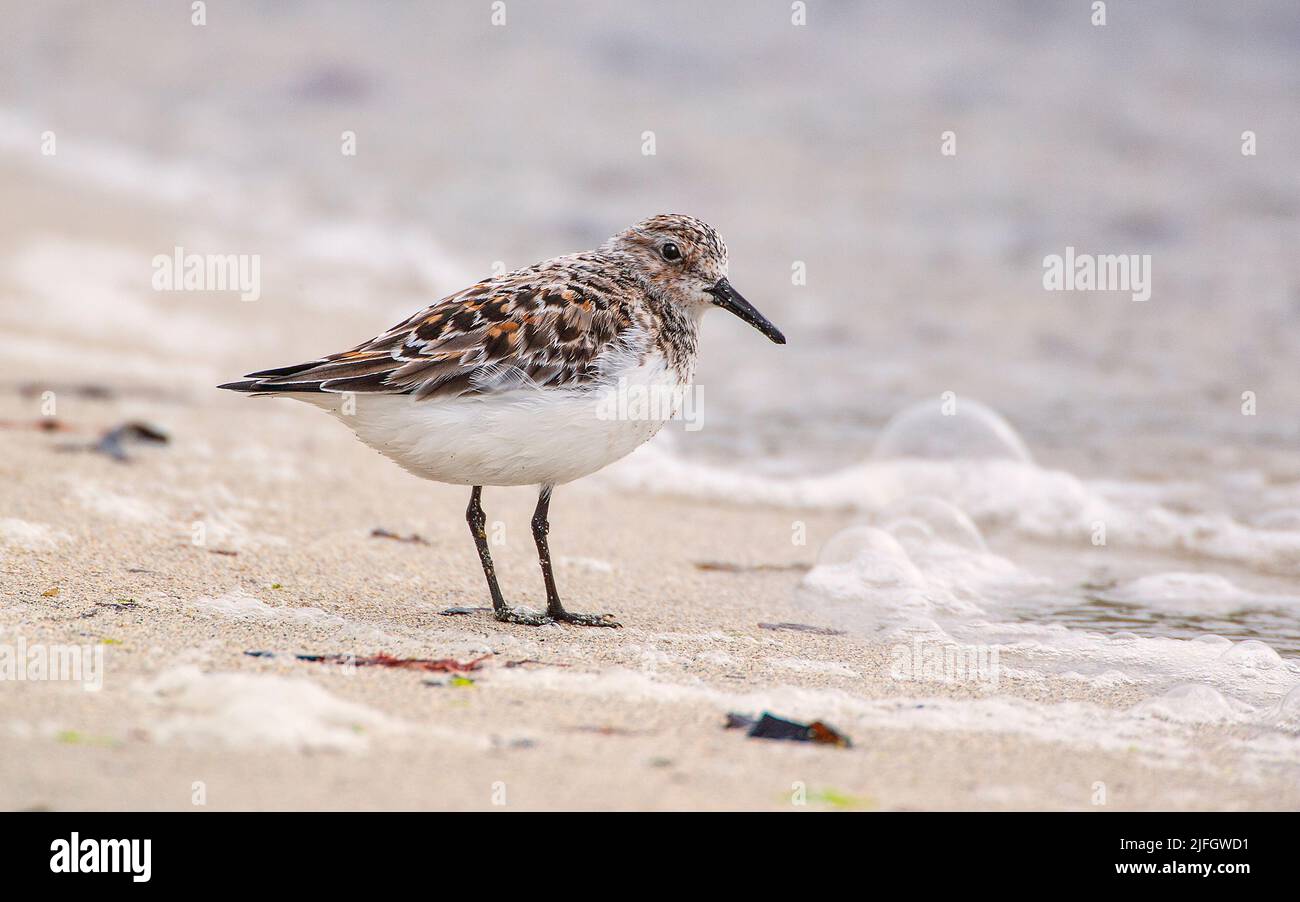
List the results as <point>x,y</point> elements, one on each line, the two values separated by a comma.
<point>770,727</point>
<point>834,798</point>
<point>44,424</point>
<point>609,730</point>
<point>413,538</point>
<point>728,567</point>
<point>114,442</point>
<point>72,737</point>
<point>456,682</point>
<point>460,612</point>
<point>122,604</point>
<point>434,665</point>
<point>802,628</point>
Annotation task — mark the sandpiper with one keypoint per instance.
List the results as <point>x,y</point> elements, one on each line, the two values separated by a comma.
<point>500,384</point>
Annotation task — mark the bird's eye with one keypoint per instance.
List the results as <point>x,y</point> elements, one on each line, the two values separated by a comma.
<point>671,251</point>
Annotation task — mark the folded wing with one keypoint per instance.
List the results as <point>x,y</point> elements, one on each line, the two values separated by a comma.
<point>535,327</point>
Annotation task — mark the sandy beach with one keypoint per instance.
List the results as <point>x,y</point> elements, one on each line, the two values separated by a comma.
<point>564,718</point>
<point>602,719</point>
<point>230,588</point>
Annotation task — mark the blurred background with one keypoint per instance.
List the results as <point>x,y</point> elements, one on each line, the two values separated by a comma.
<point>820,144</point>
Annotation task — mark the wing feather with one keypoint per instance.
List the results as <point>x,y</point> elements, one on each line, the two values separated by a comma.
<point>548,325</point>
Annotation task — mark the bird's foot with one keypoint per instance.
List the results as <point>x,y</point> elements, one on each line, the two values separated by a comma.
<point>584,619</point>
<point>522,615</point>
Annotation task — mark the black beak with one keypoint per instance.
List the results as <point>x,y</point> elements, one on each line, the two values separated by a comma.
<point>729,298</point>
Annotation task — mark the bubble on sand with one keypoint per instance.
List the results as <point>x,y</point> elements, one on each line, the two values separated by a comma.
<point>925,519</point>
<point>866,578</point>
<point>1287,712</point>
<point>1192,703</point>
<point>959,429</point>
<point>1214,639</point>
<point>861,558</point>
<point>1251,653</point>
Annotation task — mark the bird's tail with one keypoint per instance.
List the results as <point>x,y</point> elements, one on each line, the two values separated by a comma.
<point>280,379</point>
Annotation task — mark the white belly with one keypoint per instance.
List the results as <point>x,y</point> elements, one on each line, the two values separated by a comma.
<point>526,436</point>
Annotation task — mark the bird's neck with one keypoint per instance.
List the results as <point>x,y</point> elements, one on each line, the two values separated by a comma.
<point>676,328</point>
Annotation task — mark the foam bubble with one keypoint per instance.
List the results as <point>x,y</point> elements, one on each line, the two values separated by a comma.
<point>866,578</point>
<point>1199,592</point>
<point>925,518</point>
<point>1252,653</point>
<point>1011,494</point>
<point>1287,712</point>
<point>967,429</point>
<point>1193,703</point>
<point>861,558</point>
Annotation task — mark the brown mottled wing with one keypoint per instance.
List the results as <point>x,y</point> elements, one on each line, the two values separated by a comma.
<point>538,328</point>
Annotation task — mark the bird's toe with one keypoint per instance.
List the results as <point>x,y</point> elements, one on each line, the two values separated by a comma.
<point>586,619</point>
<point>523,616</point>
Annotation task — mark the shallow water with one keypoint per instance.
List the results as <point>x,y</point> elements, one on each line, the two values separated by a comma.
<point>1278,627</point>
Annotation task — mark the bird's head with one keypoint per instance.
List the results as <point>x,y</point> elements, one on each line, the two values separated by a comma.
<point>686,260</point>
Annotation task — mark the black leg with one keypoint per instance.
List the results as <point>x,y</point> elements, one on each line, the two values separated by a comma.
<point>554,609</point>
<point>477,525</point>
<point>477,521</point>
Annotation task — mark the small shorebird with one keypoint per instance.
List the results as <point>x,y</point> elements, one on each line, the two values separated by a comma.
<point>501,384</point>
